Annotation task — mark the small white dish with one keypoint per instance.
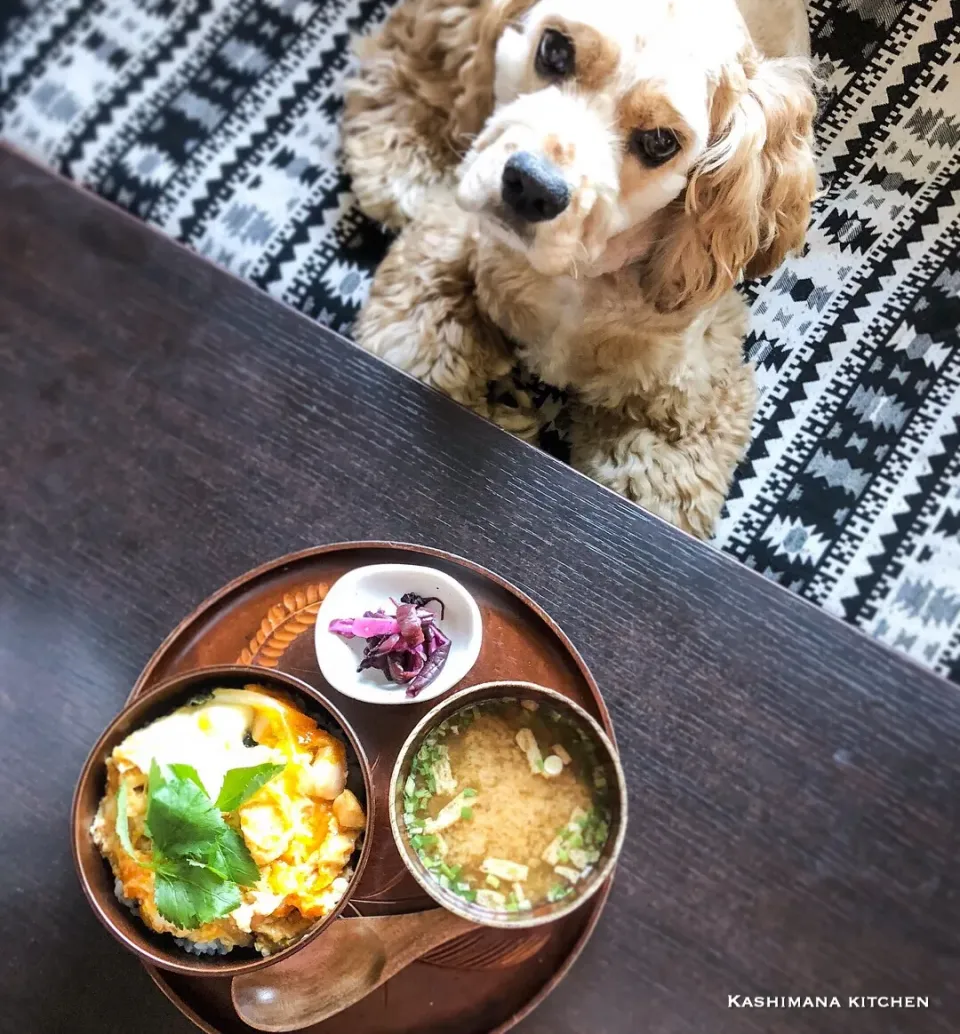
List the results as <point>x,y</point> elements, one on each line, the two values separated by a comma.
<point>372,588</point>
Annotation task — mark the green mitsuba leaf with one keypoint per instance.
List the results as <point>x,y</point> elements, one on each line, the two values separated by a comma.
<point>188,772</point>
<point>200,861</point>
<point>182,820</point>
<point>240,784</point>
<point>233,860</point>
<point>190,895</point>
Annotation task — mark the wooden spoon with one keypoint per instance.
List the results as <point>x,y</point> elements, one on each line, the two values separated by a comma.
<point>343,965</point>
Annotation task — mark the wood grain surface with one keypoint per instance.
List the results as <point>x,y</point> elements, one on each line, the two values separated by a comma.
<point>794,786</point>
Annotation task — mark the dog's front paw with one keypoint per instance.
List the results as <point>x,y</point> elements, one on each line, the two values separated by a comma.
<point>680,474</point>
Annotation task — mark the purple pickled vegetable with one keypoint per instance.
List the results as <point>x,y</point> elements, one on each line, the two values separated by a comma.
<point>420,602</point>
<point>395,670</point>
<point>388,644</point>
<point>365,627</point>
<point>409,624</point>
<point>430,670</point>
<point>409,648</point>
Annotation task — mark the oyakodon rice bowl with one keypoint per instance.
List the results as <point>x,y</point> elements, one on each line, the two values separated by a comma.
<point>228,824</point>
<point>508,804</point>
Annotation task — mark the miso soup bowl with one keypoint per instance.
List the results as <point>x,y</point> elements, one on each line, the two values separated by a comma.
<point>94,872</point>
<point>546,912</point>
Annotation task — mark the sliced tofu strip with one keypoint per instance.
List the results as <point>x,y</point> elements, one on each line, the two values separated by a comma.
<point>522,900</point>
<point>561,753</point>
<point>512,872</point>
<point>527,742</point>
<point>492,899</point>
<point>567,873</point>
<point>449,813</point>
<point>552,853</point>
<point>443,774</point>
<point>578,858</point>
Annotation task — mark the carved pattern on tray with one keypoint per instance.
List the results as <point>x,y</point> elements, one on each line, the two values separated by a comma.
<point>295,614</point>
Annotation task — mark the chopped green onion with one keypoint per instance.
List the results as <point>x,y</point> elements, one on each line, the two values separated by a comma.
<point>466,813</point>
<point>493,881</point>
<point>469,792</point>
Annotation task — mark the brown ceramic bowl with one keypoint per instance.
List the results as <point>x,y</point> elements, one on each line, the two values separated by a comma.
<point>585,888</point>
<point>94,871</point>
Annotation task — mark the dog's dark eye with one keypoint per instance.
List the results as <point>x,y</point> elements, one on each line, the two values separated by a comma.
<point>555,56</point>
<point>654,146</point>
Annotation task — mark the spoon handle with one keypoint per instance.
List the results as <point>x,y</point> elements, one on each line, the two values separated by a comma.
<point>339,968</point>
<point>408,940</point>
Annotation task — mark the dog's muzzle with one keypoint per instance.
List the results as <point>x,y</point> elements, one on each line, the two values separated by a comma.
<point>532,188</point>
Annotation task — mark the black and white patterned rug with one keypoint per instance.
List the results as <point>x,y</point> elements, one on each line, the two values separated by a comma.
<point>217,121</point>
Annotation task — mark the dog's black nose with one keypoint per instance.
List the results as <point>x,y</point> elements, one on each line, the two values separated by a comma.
<point>533,188</point>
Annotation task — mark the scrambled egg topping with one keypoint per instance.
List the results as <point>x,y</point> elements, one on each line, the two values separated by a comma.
<point>301,827</point>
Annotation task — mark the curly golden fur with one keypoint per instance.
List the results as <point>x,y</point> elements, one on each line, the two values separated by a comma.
<point>622,292</point>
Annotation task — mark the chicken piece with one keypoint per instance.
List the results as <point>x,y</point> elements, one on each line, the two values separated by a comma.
<point>336,850</point>
<point>266,830</point>
<point>512,872</point>
<point>449,813</point>
<point>325,778</point>
<point>491,899</point>
<point>348,811</point>
<point>527,742</point>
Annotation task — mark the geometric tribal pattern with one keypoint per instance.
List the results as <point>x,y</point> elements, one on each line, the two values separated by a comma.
<point>217,121</point>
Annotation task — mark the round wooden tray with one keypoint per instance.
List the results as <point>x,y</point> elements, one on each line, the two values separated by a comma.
<point>482,983</point>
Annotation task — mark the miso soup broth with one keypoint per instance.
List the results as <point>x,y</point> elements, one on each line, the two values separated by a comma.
<point>507,804</point>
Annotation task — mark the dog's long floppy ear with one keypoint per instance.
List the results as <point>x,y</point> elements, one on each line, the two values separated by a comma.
<point>473,101</point>
<point>747,202</point>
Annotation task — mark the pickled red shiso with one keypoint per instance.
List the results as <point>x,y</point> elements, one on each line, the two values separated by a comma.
<point>409,647</point>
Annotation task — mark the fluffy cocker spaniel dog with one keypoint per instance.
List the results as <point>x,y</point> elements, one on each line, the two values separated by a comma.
<point>578,185</point>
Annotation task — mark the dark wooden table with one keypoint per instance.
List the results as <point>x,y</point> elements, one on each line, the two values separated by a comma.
<point>795,787</point>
